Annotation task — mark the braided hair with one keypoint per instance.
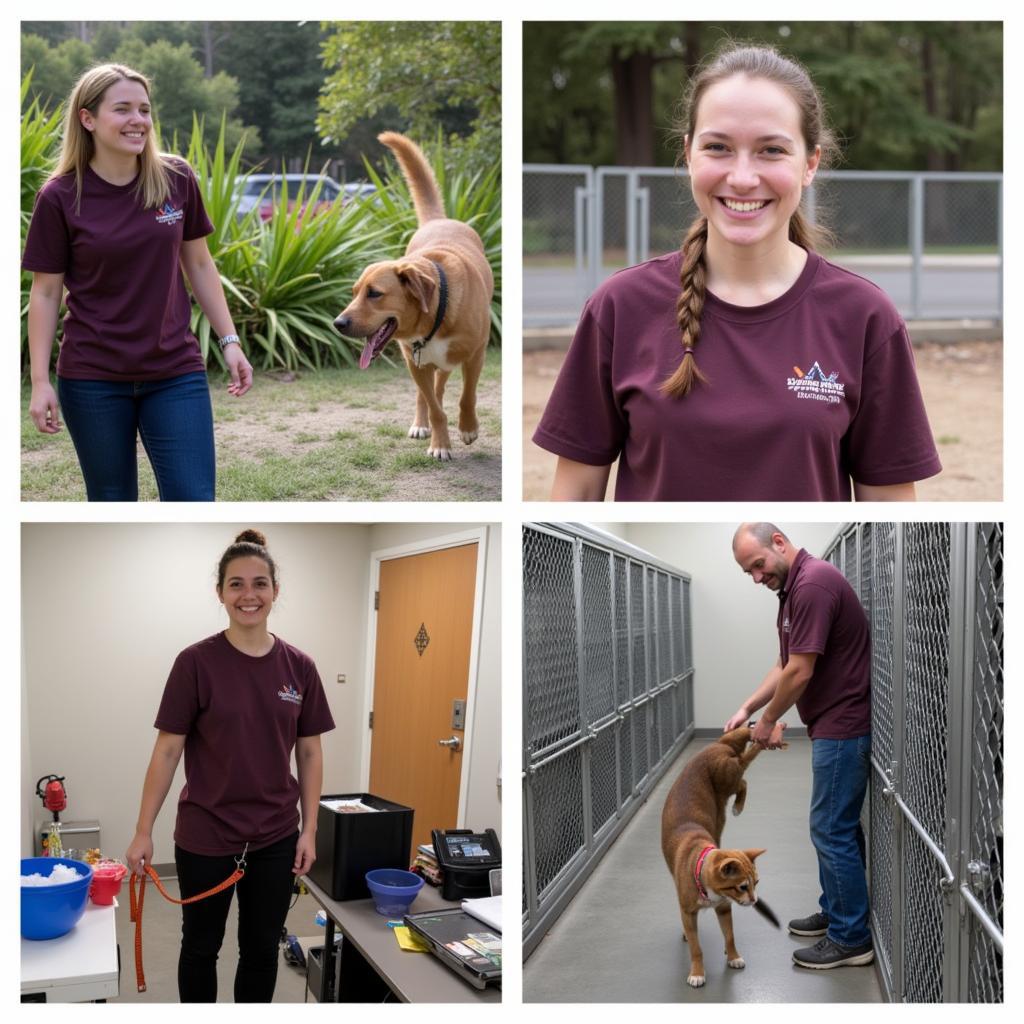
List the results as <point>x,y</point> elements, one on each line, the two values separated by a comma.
<point>755,62</point>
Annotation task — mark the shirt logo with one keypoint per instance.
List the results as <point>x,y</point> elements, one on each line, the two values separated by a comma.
<point>168,214</point>
<point>290,694</point>
<point>785,624</point>
<point>814,384</point>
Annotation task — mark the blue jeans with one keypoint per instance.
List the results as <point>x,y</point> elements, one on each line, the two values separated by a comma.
<point>841,769</point>
<point>173,417</point>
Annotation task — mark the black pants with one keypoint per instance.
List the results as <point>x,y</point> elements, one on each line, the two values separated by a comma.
<point>263,898</point>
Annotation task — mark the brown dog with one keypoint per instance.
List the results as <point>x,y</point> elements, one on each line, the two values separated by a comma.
<point>691,829</point>
<point>436,301</point>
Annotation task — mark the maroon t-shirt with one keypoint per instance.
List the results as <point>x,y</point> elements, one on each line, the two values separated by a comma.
<point>806,391</point>
<point>128,310</point>
<point>819,613</point>
<point>241,716</point>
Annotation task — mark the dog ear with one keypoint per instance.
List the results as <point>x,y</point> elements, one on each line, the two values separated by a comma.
<point>418,281</point>
<point>754,854</point>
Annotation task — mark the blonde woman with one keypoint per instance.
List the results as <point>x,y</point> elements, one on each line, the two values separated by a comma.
<point>117,225</point>
<point>744,366</point>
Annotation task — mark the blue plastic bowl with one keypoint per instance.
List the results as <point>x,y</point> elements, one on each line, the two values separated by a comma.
<point>49,911</point>
<point>393,890</point>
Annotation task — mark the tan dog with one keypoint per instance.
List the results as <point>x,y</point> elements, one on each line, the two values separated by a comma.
<point>436,301</point>
<point>691,829</point>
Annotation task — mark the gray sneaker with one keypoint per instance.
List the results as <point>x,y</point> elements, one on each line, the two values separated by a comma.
<point>816,924</point>
<point>826,954</point>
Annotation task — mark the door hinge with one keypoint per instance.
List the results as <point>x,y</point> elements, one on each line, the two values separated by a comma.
<point>376,600</point>
<point>371,719</point>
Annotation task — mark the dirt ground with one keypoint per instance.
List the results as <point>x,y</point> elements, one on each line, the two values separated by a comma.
<point>963,392</point>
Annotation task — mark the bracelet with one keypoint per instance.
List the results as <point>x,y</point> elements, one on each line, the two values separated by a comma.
<point>229,339</point>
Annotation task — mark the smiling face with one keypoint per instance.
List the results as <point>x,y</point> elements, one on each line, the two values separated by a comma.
<point>767,566</point>
<point>748,160</point>
<point>122,121</point>
<point>248,592</point>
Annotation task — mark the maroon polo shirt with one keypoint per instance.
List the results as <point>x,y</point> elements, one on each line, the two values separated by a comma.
<point>806,391</point>
<point>819,613</point>
<point>241,716</point>
<point>128,312</point>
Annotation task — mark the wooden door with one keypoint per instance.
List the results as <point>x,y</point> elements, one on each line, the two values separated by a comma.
<point>424,635</point>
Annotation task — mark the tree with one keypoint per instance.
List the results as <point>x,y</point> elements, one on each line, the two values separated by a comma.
<point>426,74</point>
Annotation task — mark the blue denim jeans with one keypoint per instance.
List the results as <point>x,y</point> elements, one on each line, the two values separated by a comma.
<point>173,417</point>
<point>840,781</point>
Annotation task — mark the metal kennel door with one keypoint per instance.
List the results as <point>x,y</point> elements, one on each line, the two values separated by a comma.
<point>934,597</point>
<point>607,701</point>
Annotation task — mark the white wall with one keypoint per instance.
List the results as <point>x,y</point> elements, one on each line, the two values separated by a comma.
<point>106,607</point>
<point>734,638</point>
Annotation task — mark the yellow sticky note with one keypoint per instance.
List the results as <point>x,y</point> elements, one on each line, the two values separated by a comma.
<point>409,940</point>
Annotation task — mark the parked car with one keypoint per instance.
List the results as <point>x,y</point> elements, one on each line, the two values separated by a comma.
<point>254,189</point>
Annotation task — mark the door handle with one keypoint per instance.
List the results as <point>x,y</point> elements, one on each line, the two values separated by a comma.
<point>453,744</point>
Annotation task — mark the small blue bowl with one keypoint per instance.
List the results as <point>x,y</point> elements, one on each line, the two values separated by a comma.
<point>393,890</point>
<point>50,911</point>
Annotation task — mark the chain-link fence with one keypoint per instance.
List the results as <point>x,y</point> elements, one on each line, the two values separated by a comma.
<point>932,241</point>
<point>607,701</point>
<point>934,596</point>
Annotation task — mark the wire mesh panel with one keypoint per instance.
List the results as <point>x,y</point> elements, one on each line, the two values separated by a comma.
<point>551,709</point>
<point>934,593</point>
<point>926,614</point>
<point>604,648</point>
<point>985,868</point>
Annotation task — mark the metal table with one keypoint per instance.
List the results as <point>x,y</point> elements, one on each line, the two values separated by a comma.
<point>373,964</point>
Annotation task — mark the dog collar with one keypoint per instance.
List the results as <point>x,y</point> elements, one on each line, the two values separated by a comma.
<point>696,871</point>
<point>442,308</point>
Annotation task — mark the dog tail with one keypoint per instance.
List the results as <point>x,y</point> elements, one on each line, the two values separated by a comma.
<point>426,196</point>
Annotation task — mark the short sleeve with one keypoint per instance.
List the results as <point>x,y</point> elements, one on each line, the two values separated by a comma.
<point>316,715</point>
<point>180,703</point>
<point>582,420</point>
<point>48,242</point>
<point>197,223</point>
<point>890,440</point>
<point>812,610</point>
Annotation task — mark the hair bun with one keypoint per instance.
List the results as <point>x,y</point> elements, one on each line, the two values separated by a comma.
<point>251,537</point>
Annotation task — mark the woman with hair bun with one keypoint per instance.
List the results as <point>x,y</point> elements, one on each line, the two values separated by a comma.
<point>115,226</point>
<point>236,704</point>
<point>744,366</point>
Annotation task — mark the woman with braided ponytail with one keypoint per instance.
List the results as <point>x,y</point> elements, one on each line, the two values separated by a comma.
<point>745,366</point>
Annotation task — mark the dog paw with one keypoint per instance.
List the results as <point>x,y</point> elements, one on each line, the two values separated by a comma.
<point>418,432</point>
<point>441,454</point>
<point>695,981</point>
<point>738,964</point>
<point>469,436</point>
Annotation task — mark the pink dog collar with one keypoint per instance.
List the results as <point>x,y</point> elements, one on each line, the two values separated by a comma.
<point>697,869</point>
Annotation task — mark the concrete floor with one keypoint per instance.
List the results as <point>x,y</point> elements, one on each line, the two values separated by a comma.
<point>161,935</point>
<point>620,940</point>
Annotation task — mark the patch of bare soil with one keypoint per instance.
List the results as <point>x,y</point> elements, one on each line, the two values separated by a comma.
<point>381,419</point>
<point>963,393</point>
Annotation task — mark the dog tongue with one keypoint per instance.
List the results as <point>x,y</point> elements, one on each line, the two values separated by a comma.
<point>367,356</point>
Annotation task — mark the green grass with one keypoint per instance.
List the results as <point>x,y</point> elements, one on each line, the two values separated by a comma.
<point>284,441</point>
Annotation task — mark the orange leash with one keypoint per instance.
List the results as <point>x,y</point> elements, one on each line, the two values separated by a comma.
<point>137,901</point>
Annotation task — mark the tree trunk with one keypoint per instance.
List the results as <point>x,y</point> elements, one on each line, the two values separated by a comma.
<point>634,120</point>
<point>933,159</point>
<point>208,48</point>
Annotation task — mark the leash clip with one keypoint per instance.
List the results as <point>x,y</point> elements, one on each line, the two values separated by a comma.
<point>240,861</point>
<point>416,347</point>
